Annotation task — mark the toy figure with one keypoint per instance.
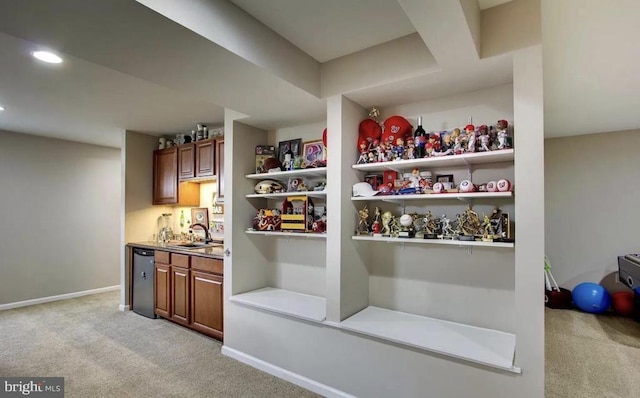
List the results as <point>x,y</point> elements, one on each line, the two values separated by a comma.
<point>484,141</point>
<point>447,145</point>
<point>503,134</point>
<point>469,224</point>
<point>434,140</point>
<point>381,151</point>
<point>363,225</point>
<point>447,231</point>
<point>386,223</point>
<point>371,158</point>
<point>375,226</point>
<point>414,180</point>
<point>398,150</point>
<point>364,153</point>
<point>394,226</point>
<point>457,146</point>
<point>471,137</point>
<point>411,149</point>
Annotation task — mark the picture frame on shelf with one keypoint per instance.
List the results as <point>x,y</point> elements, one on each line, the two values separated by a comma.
<point>284,146</point>
<point>444,178</point>
<point>200,215</point>
<point>263,152</point>
<point>313,151</point>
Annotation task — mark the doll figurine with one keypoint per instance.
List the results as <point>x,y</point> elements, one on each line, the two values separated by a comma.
<point>411,149</point>
<point>471,137</point>
<point>484,140</point>
<point>503,134</point>
<point>364,153</point>
<point>386,223</point>
<point>447,145</point>
<point>363,224</point>
<point>398,150</point>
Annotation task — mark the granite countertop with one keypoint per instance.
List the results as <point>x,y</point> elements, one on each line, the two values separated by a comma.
<point>211,252</point>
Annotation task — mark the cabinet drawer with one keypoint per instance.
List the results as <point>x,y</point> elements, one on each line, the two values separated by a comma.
<point>180,260</point>
<point>161,257</point>
<point>207,264</point>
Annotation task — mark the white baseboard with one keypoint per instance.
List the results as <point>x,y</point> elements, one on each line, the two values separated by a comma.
<point>124,307</point>
<point>49,299</point>
<point>284,374</point>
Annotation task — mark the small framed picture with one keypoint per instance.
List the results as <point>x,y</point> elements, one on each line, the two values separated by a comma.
<point>200,215</point>
<point>312,152</point>
<point>294,145</point>
<point>444,178</point>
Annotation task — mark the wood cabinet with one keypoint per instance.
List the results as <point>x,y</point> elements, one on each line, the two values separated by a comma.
<point>186,161</point>
<point>205,158</point>
<point>206,303</point>
<point>180,295</point>
<point>165,172</point>
<point>161,289</point>
<point>220,167</point>
<point>166,188</point>
<point>188,290</point>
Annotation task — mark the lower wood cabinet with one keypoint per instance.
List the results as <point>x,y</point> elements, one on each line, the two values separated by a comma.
<point>206,303</point>
<point>188,291</point>
<point>180,295</point>
<point>162,289</point>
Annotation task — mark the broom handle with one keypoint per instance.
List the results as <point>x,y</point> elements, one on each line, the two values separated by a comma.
<point>546,280</point>
<point>555,284</point>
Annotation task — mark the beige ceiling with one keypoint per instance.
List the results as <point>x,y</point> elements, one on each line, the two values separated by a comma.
<point>161,65</point>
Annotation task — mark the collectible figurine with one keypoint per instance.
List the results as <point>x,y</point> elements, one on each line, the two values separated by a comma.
<point>469,224</point>
<point>394,226</point>
<point>381,151</point>
<point>484,139</point>
<point>375,227</point>
<point>406,227</point>
<point>363,225</point>
<point>430,226</point>
<point>488,230</point>
<point>446,229</point>
<point>386,223</point>
<point>411,149</point>
<point>447,145</point>
<point>398,150</point>
<point>429,151</point>
<point>434,140</point>
<point>457,146</point>
<point>364,153</point>
<point>471,137</point>
<point>503,134</point>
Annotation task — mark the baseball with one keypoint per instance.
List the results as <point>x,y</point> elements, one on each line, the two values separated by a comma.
<point>406,220</point>
<point>438,187</point>
<point>467,186</point>
<point>492,186</point>
<point>504,186</point>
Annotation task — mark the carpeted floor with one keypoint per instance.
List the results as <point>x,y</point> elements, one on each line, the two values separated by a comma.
<point>591,356</point>
<point>103,352</point>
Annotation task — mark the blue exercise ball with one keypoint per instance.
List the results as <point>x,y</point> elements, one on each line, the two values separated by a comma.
<point>591,297</point>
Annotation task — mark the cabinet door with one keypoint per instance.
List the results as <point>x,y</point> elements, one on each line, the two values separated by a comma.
<point>220,166</point>
<point>206,303</point>
<point>205,158</point>
<point>165,176</point>
<point>180,295</point>
<point>186,161</point>
<point>161,290</point>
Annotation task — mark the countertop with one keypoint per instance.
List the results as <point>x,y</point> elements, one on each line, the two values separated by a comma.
<point>210,252</point>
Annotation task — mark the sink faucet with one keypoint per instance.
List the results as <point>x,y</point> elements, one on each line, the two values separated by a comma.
<point>207,236</point>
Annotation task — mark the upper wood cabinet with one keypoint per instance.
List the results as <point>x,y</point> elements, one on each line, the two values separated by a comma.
<point>166,190</point>
<point>186,161</point>
<point>220,167</point>
<point>205,158</point>
<point>165,180</point>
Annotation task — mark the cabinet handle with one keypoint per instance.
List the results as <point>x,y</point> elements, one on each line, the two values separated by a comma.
<point>227,252</point>
<point>143,275</point>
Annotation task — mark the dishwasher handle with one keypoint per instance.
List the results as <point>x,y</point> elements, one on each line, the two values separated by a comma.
<point>143,252</point>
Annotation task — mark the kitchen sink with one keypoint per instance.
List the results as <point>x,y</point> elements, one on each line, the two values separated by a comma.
<point>193,245</point>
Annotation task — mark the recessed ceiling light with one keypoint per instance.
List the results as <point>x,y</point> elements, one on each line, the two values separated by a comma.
<point>46,56</point>
<point>1,108</point>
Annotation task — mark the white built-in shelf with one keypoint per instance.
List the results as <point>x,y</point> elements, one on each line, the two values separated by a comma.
<point>312,194</point>
<point>313,172</point>
<point>311,235</point>
<point>480,345</point>
<point>467,159</point>
<point>453,195</point>
<point>433,241</point>
<point>285,302</point>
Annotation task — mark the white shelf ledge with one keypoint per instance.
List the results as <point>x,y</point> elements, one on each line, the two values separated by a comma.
<point>483,346</point>
<point>432,196</point>
<point>504,155</point>
<point>313,194</point>
<point>434,241</point>
<point>286,302</point>
<point>289,234</point>
<point>313,172</point>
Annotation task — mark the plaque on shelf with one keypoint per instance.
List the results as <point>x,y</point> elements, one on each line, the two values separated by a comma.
<point>264,152</point>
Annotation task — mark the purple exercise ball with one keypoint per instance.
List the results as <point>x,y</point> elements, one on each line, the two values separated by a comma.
<point>591,297</point>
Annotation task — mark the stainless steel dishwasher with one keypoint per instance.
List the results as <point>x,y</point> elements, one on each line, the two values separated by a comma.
<point>143,272</point>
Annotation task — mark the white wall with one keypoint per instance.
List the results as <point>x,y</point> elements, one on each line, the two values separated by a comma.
<point>591,212</point>
<point>60,217</point>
